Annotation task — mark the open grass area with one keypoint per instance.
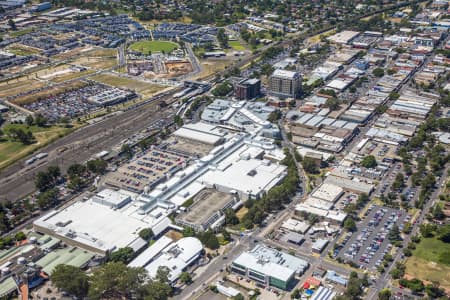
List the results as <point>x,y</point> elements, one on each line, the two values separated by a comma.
<point>432,249</point>
<point>22,50</point>
<point>211,67</point>
<point>236,45</point>
<point>73,75</point>
<point>144,88</point>
<point>427,264</point>
<point>241,212</point>
<point>147,47</point>
<point>11,151</point>
<point>20,32</point>
<point>429,271</point>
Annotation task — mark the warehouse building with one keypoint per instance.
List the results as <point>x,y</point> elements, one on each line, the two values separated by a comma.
<point>269,267</point>
<point>106,222</point>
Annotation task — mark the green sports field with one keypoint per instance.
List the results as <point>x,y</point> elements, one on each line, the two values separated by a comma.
<point>147,47</point>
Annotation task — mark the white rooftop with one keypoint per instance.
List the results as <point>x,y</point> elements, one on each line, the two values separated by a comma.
<point>284,74</point>
<point>102,228</point>
<point>176,257</point>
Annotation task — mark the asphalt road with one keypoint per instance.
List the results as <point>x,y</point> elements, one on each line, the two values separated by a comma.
<point>17,181</point>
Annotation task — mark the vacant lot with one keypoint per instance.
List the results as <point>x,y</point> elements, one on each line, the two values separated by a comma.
<point>11,151</point>
<point>428,263</point>
<point>236,45</point>
<point>147,47</point>
<point>15,86</point>
<point>141,87</point>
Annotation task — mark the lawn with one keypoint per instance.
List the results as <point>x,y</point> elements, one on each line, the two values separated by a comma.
<point>236,46</point>
<point>426,264</point>
<point>432,249</point>
<point>147,47</point>
<point>12,151</point>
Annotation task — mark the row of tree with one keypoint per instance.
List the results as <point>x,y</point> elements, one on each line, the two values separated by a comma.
<point>114,280</point>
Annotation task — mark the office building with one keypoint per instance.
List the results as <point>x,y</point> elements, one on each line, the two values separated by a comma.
<point>269,267</point>
<point>247,89</point>
<point>285,84</point>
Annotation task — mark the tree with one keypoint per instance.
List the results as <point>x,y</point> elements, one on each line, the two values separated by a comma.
<point>378,72</point>
<point>97,166</point>
<point>369,161</point>
<point>332,104</point>
<point>115,280</point>
<point>40,120</point>
<point>433,291</point>
<point>178,120</point>
<point>70,279</point>
<point>310,165</point>
<point>230,217</point>
<point>444,234</point>
<point>394,234</point>
<point>209,239</point>
<point>11,24</point>
<point>274,116</point>
<point>350,224</point>
<point>157,290</point>
<point>127,151</point>
<point>222,89</point>
<point>124,255</point>
<point>146,234</point>
<point>384,294</point>
<point>29,120</point>
<point>186,278</point>
<point>222,38</point>
<point>438,213</point>
<point>48,198</point>
<point>76,170</point>
<point>20,236</point>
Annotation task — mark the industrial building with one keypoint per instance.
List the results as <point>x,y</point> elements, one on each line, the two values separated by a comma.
<point>269,267</point>
<point>106,222</point>
<point>285,84</point>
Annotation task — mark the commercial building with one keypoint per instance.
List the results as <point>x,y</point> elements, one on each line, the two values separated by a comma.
<point>319,245</point>
<point>285,84</point>
<point>176,257</point>
<point>111,96</point>
<point>269,267</point>
<point>106,222</point>
<point>333,277</point>
<point>246,89</point>
<point>202,133</point>
<point>343,37</point>
<point>323,293</point>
